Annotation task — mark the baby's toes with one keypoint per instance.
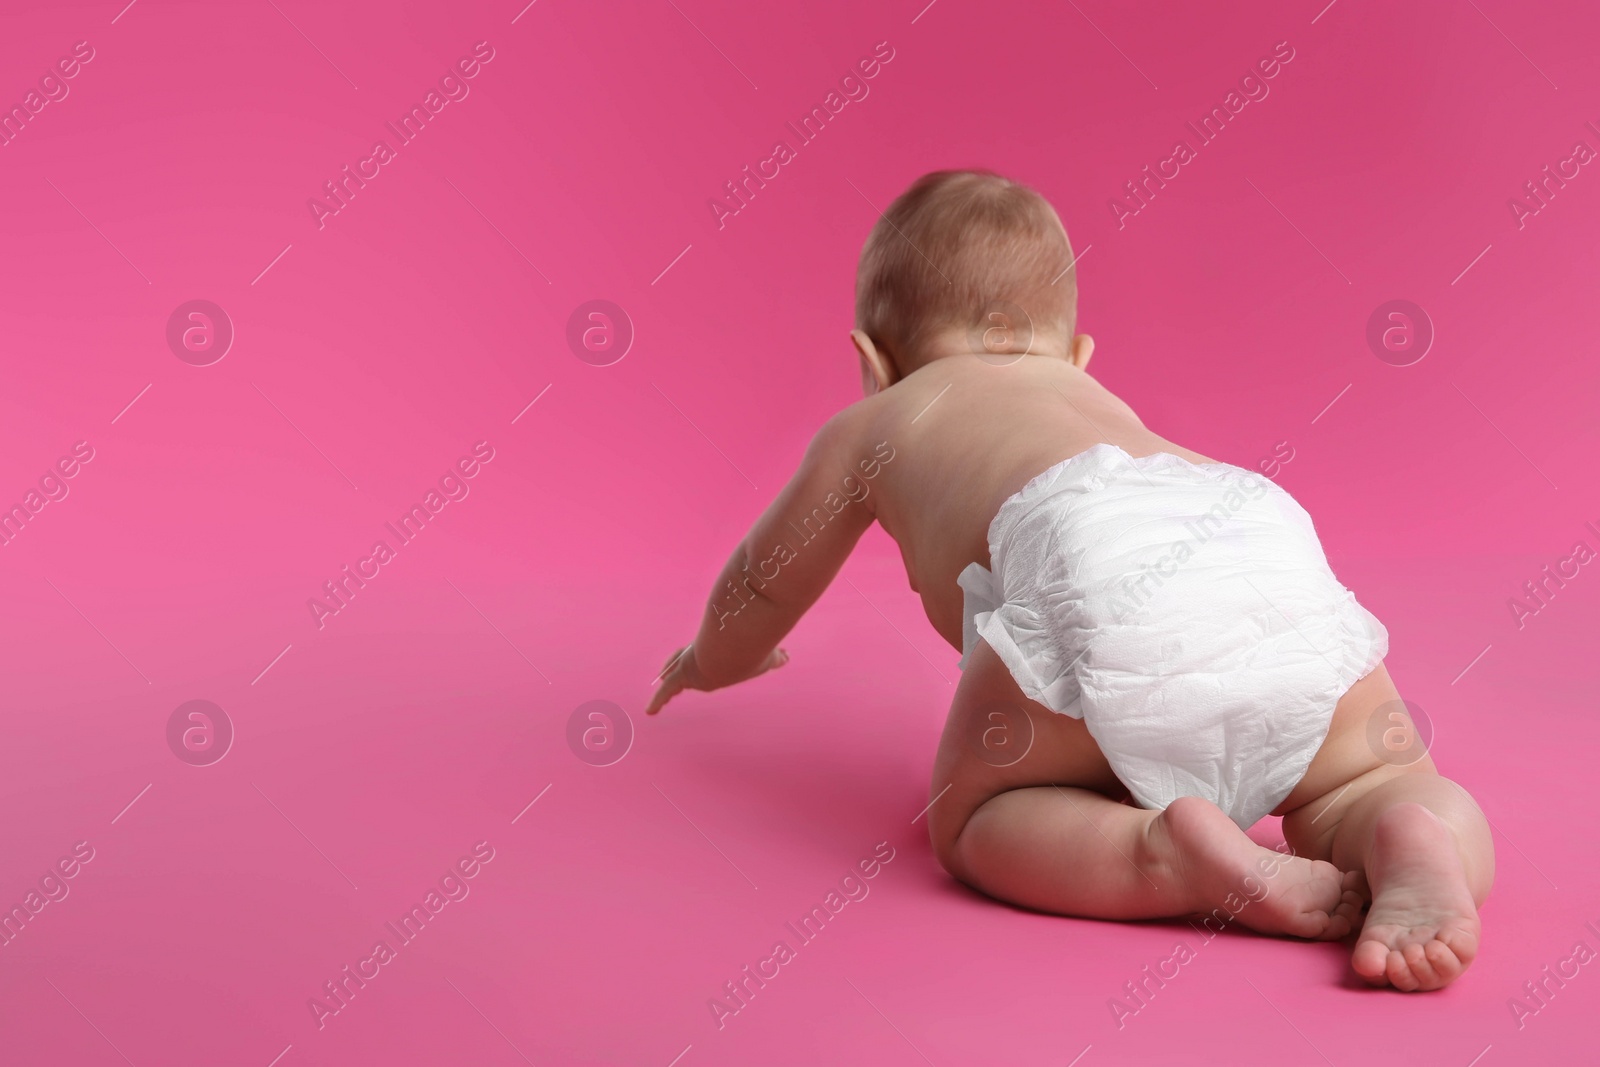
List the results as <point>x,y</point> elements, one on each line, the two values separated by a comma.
<point>1421,967</point>
<point>1356,882</point>
<point>1370,960</point>
<point>1344,917</point>
<point>1445,963</point>
<point>1399,973</point>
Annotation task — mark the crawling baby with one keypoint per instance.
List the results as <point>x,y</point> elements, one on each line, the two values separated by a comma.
<point>1155,653</point>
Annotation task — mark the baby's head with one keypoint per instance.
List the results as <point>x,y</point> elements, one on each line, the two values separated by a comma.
<point>964,261</point>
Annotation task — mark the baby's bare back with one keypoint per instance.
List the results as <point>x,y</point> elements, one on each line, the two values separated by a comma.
<point>968,432</point>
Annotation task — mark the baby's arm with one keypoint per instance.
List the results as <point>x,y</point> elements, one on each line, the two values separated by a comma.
<point>778,571</point>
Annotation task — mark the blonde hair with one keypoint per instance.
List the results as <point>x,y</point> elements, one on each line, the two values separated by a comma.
<point>950,249</point>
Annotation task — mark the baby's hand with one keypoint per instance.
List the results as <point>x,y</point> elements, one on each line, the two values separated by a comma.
<point>682,672</point>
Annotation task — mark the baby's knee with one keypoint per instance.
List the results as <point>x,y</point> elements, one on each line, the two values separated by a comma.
<point>944,834</point>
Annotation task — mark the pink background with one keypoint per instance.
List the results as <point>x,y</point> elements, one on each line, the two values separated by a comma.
<point>424,718</point>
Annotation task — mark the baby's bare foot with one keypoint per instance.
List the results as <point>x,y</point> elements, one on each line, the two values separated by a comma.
<point>1254,886</point>
<point>1422,929</point>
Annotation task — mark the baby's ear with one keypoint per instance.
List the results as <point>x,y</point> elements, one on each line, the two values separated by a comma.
<point>876,375</point>
<point>1082,350</point>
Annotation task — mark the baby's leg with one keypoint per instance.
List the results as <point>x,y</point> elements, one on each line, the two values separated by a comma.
<point>1422,843</point>
<point>1029,818</point>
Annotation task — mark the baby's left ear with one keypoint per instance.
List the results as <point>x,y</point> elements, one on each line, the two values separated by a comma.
<point>875,369</point>
<point>1082,350</point>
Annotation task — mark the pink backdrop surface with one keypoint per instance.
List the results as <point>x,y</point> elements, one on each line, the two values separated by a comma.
<point>375,346</point>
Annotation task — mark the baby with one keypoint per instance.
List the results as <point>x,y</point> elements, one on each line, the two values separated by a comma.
<point>1155,653</point>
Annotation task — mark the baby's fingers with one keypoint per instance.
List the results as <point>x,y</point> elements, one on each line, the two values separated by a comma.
<point>665,692</point>
<point>672,661</point>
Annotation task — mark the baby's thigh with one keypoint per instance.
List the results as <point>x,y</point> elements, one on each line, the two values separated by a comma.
<point>1351,762</point>
<point>995,740</point>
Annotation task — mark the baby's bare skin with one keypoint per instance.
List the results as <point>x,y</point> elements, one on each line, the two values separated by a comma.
<point>936,454</point>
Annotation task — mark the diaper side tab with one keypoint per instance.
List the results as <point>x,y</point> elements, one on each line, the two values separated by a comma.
<point>979,596</point>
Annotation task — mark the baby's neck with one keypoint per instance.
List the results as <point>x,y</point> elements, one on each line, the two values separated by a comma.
<point>961,344</point>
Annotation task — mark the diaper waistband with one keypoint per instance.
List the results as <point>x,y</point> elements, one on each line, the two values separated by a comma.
<point>1095,467</point>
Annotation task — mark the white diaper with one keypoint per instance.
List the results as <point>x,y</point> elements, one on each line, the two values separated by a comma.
<point>1185,612</point>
